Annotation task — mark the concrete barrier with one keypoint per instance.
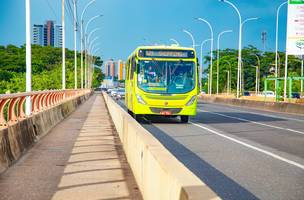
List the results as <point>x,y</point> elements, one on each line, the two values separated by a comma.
<point>284,107</point>
<point>158,173</point>
<point>16,138</point>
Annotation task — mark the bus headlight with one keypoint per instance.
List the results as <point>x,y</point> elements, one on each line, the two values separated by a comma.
<point>140,99</point>
<point>191,101</point>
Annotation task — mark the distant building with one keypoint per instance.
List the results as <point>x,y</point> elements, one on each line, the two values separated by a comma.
<point>58,36</point>
<point>110,72</point>
<point>48,34</point>
<point>121,70</point>
<point>38,34</point>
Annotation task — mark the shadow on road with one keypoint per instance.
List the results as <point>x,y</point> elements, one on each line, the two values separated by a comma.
<point>224,186</point>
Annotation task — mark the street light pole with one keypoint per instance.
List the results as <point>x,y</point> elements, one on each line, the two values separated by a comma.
<point>240,46</point>
<point>63,45</point>
<point>241,24</point>
<point>257,74</point>
<point>242,70</point>
<point>82,39</point>
<point>75,45</point>
<point>91,46</point>
<point>302,63</point>
<point>86,49</point>
<point>229,74</point>
<point>201,62</point>
<point>192,38</point>
<point>277,41</point>
<point>256,79</point>
<point>211,54</point>
<point>286,67</point>
<point>218,58</point>
<point>28,56</point>
<point>175,41</point>
<point>228,78</point>
<point>91,33</point>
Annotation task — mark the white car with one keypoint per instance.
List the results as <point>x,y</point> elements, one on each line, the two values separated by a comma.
<point>268,94</point>
<point>113,92</point>
<point>120,93</point>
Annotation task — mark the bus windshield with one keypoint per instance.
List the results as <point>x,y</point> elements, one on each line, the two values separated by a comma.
<point>166,77</point>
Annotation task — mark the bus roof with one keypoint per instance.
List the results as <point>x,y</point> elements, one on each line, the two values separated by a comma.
<point>161,47</point>
<point>172,47</point>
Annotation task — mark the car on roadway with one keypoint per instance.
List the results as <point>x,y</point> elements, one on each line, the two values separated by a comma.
<point>268,93</point>
<point>295,95</point>
<point>113,92</point>
<point>120,94</point>
<point>246,93</point>
<point>109,90</point>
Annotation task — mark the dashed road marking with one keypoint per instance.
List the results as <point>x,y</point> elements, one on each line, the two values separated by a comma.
<point>251,146</point>
<point>254,122</point>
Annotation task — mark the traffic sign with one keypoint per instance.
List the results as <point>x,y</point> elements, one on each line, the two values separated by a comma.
<point>295,27</point>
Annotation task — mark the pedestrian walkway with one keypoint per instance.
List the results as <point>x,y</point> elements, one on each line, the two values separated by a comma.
<point>81,158</point>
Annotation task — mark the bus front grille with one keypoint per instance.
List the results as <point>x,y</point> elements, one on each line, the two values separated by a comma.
<point>171,110</point>
<point>166,97</point>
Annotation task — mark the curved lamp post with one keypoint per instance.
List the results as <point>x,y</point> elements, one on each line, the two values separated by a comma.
<point>81,38</point>
<point>218,58</point>
<point>211,53</point>
<point>201,61</point>
<point>175,41</point>
<point>92,32</point>
<point>85,46</point>
<point>277,42</point>
<point>191,36</point>
<point>229,76</point>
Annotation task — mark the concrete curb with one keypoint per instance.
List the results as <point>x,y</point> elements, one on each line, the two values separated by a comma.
<point>157,172</point>
<point>283,107</point>
<point>19,137</point>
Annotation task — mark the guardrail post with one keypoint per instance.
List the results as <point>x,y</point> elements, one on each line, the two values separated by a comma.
<point>3,103</point>
<point>11,115</point>
<point>21,113</point>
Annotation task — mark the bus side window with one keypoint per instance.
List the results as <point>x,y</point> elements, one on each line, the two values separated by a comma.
<point>127,70</point>
<point>133,67</point>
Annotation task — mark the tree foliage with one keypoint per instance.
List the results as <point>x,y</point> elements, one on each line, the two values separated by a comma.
<point>249,58</point>
<point>46,68</point>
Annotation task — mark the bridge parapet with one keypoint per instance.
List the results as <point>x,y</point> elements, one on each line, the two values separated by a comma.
<point>12,105</point>
<point>19,132</point>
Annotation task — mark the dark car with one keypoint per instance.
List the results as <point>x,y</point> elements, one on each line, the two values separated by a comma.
<point>295,95</point>
<point>246,93</point>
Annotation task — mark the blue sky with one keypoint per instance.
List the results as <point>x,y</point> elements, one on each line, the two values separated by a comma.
<point>127,22</point>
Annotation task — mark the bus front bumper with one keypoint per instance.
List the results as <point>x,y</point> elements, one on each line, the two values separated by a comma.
<point>142,109</point>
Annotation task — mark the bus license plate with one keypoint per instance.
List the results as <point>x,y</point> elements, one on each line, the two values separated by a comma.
<point>165,112</point>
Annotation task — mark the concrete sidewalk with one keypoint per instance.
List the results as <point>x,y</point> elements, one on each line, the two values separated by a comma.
<point>81,158</point>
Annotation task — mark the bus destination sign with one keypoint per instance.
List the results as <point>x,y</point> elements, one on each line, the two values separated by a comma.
<point>166,53</point>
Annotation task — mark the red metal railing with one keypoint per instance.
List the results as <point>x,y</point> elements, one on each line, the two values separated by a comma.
<point>12,106</point>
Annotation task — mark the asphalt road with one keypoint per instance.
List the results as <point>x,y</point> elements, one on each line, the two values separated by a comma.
<point>240,153</point>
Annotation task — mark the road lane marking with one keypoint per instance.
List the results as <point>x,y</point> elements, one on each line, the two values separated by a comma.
<point>254,122</point>
<point>262,114</point>
<point>251,146</point>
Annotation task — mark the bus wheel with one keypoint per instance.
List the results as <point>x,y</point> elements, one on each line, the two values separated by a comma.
<point>184,118</point>
<point>137,117</point>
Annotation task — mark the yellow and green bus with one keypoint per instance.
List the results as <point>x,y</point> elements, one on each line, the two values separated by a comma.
<point>162,80</point>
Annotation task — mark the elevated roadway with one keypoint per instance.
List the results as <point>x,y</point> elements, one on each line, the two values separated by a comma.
<point>240,153</point>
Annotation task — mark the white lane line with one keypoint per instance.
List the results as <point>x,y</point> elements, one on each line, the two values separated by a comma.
<point>254,122</point>
<point>251,146</point>
<point>262,114</point>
